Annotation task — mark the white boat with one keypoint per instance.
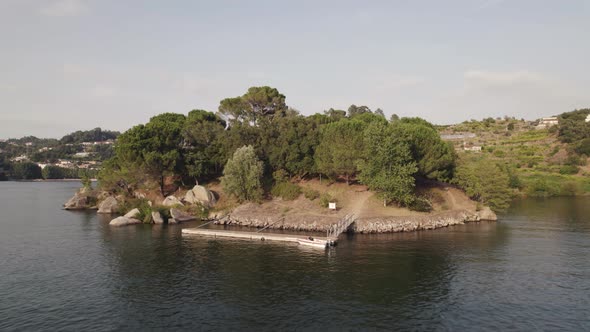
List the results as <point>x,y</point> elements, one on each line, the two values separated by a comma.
<point>310,241</point>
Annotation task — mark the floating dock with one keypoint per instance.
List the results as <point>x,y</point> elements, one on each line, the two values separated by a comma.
<point>331,234</point>
<point>247,235</point>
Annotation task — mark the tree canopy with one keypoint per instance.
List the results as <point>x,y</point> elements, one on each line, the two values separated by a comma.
<point>242,175</point>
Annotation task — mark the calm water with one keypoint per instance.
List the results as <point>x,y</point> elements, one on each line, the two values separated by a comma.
<point>63,270</point>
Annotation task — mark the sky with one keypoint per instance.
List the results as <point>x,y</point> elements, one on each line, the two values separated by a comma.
<point>68,65</point>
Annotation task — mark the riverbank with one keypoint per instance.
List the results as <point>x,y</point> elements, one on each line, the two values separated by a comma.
<point>451,207</point>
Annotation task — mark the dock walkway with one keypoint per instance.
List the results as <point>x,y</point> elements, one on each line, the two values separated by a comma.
<point>247,235</point>
<point>330,239</point>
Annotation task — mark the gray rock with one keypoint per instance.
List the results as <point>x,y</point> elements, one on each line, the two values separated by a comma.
<point>200,195</point>
<point>78,202</point>
<point>157,217</point>
<point>171,201</point>
<point>133,213</point>
<point>172,221</point>
<point>109,205</point>
<point>180,216</point>
<point>124,221</point>
<point>487,214</point>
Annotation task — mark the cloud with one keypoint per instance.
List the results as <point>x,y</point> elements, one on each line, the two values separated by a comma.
<point>485,4</point>
<point>483,77</point>
<point>515,93</point>
<point>64,8</point>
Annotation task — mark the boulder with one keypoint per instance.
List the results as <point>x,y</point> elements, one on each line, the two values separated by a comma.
<point>109,205</point>
<point>133,213</point>
<point>157,217</point>
<point>124,221</point>
<point>171,201</point>
<point>180,216</point>
<point>200,195</point>
<point>172,221</point>
<point>487,214</point>
<point>79,201</point>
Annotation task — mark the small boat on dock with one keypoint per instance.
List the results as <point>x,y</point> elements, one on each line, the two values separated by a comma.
<point>316,243</point>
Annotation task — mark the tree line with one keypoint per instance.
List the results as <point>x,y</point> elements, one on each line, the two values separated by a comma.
<point>390,157</point>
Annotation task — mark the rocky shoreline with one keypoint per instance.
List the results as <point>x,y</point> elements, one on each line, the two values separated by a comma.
<point>250,215</point>
<point>393,224</point>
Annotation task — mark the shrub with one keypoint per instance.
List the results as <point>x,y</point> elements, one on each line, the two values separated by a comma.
<point>421,204</point>
<point>569,188</point>
<point>325,199</point>
<point>569,169</point>
<point>286,190</point>
<point>311,194</point>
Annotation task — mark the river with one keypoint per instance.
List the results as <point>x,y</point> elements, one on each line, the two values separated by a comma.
<point>62,270</point>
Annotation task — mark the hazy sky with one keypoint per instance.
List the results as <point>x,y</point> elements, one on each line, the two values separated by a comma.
<point>78,64</point>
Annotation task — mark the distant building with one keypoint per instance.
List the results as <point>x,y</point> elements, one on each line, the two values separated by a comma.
<point>588,118</point>
<point>20,158</point>
<point>547,122</point>
<point>475,148</point>
<point>82,155</point>
<point>457,136</point>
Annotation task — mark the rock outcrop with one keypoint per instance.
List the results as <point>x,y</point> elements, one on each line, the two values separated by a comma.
<point>124,221</point>
<point>109,205</point>
<point>80,201</point>
<point>171,201</point>
<point>487,214</point>
<point>180,216</point>
<point>132,214</point>
<point>157,218</point>
<point>200,195</point>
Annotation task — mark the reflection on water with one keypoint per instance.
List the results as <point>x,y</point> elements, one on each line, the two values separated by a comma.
<point>65,270</point>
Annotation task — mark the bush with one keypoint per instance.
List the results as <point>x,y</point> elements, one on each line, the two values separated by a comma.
<point>286,190</point>
<point>421,204</point>
<point>569,188</point>
<point>325,199</point>
<point>311,194</point>
<point>569,169</point>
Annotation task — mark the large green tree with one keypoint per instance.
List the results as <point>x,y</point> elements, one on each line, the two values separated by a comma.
<point>341,148</point>
<point>258,102</point>
<point>435,158</point>
<point>485,182</point>
<point>242,175</point>
<point>204,135</point>
<point>388,167</point>
<point>151,151</point>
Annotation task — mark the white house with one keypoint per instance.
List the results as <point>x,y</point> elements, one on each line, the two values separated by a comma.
<point>547,122</point>
<point>588,118</point>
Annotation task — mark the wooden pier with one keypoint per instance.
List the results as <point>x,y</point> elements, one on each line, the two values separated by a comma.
<point>247,235</point>
<point>331,235</point>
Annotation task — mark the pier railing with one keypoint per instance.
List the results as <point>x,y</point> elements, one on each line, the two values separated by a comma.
<point>340,227</point>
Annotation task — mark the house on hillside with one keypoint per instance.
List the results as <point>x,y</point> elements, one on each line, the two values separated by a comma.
<point>588,118</point>
<point>547,122</point>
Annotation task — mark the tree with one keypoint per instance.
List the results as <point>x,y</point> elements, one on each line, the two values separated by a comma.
<point>388,167</point>
<point>354,110</point>
<point>341,148</point>
<point>258,102</point>
<point>435,158</point>
<point>485,182</point>
<point>26,171</point>
<point>379,112</point>
<point>203,151</point>
<point>242,175</point>
<point>289,144</point>
<point>152,149</point>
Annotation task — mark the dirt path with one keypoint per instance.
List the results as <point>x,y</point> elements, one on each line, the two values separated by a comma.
<point>358,203</point>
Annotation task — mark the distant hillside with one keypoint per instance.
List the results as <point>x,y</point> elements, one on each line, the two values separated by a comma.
<point>541,160</point>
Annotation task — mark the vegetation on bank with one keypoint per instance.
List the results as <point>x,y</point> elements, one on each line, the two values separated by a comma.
<point>70,157</point>
<point>539,162</point>
<point>261,148</point>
